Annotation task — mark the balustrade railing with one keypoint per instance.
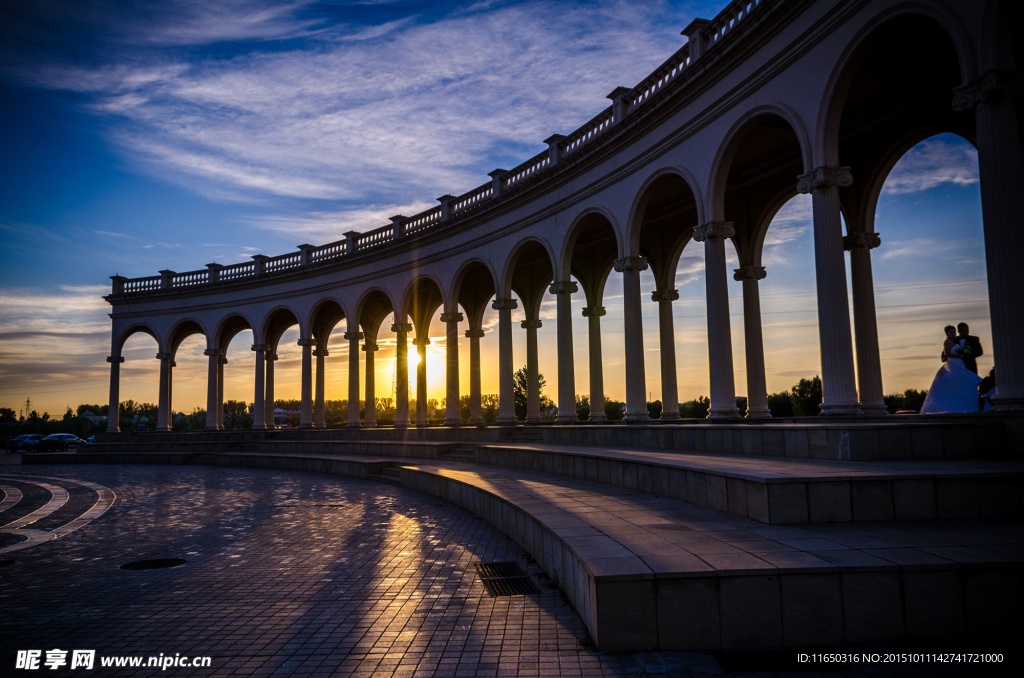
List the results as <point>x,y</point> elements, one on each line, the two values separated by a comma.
<point>245,269</point>
<point>334,250</point>
<point>190,278</point>
<point>473,198</point>
<point>706,34</point>
<point>528,169</point>
<point>283,262</point>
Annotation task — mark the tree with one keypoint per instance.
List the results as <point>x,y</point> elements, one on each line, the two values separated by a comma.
<point>806,397</point>
<point>519,382</point>
<point>7,415</point>
<point>781,404</point>
<point>695,409</point>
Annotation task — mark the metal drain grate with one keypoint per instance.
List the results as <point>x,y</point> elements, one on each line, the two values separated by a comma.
<point>505,579</point>
<point>157,564</point>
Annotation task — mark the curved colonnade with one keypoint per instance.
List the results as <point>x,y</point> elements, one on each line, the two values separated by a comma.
<point>767,100</point>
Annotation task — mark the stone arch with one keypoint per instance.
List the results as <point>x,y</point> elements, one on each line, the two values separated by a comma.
<point>572,235</point>
<point>733,141</point>
<point>422,296</point>
<point>474,298</point>
<point>229,326</point>
<point>458,279</point>
<point>276,321</point>
<point>643,196</point>
<point>830,110</point>
<point>135,328</point>
<point>505,288</point>
<point>325,314</point>
<point>184,328</point>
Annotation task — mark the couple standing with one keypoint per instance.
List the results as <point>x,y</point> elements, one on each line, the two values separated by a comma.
<point>955,387</point>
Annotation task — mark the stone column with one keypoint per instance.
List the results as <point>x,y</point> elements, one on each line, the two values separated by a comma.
<point>451,368</point>
<point>421,380</point>
<point>319,406</point>
<point>370,408</point>
<point>476,417</point>
<point>164,397</point>
<point>259,406</point>
<point>838,381</point>
<point>353,337</point>
<point>723,385</point>
<point>114,403</point>
<point>212,389</point>
<point>753,341</point>
<point>563,291</point>
<point>667,337</point>
<point>401,331</point>
<point>220,392</point>
<point>306,407</point>
<point>593,315</point>
<point>506,396</point>
<point>994,98</point>
<point>865,325</point>
<point>636,379</point>
<point>269,401</point>
<point>532,371</point>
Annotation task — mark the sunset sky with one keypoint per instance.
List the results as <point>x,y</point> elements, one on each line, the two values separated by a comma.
<point>168,135</point>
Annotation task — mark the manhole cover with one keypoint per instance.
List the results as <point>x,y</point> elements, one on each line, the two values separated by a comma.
<point>157,564</point>
<point>505,579</point>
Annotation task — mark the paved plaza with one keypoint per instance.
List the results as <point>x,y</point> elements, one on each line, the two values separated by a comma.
<point>293,573</point>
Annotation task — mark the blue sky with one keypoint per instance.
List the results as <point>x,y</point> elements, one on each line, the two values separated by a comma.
<point>150,135</point>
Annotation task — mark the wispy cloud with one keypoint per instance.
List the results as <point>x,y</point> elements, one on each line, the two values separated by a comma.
<point>384,113</point>
<point>933,163</point>
<point>320,227</point>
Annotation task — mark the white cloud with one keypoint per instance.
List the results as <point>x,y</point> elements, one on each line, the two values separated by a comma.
<point>932,163</point>
<point>323,227</point>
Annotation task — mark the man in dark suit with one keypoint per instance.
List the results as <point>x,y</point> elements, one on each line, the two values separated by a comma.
<point>973,345</point>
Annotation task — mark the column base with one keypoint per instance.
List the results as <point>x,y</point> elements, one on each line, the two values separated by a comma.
<point>729,413</point>
<point>319,426</point>
<point>1007,403</point>
<point>453,422</point>
<point>759,414</point>
<point>671,415</point>
<point>476,422</point>
<point>115,429</point>
<point>211,428</point>
<point>505,421</point>
<point>847,409</point>
<point>369,424</point>
<point>534,420</point>
<point>637,417</point>
<point>164,429</point>
<point>355,425</point>
<point>305,427</point>
<point>567,419</point>
<point>259,427</point>
<point>401,424</point>
<point>874,409</point>
<point>597,418</point>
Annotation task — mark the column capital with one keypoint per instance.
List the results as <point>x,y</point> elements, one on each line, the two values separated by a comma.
<point>713,229</point>
<point>222,359</point>
<point>667,294</point>
<point>593,311</point>
<point>320,352</point>
<point>631,264</point>
<point>402,328</point>
<point>504,304</point>
<point>452,317</point>
<point>990,88</point>
<point>421,341</point>
<point>475,334</point>
<point>115,359</point>
<point>564,287</point>
<point>534,324</point>
<point>260,347</point>
<point>214,351</point>
<point>861,240</point>
<point>164,356</point>
<point>271,357</point>
<point>749,272</point>
<point>824,177</point>
<point>306,342</point>
<point>355,336</point>
<point>370,348</point>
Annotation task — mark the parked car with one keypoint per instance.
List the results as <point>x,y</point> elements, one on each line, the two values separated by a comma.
<point>59,441</point>
<point>29,443</point>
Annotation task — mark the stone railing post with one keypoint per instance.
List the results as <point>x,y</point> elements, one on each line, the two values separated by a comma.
<point>305,251</point>
<point>213,275</point>
<point>446,201</point>
<point>695,37</point>
<point>620,105</point>
<point>166,279</point>
<point>497,182</point>
<point>260,268</point>
<point>351,242</point>
<point>117,284</point>
<point>555,149</point>
<point>398,226</point>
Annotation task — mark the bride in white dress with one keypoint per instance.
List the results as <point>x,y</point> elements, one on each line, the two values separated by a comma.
<point>955,388</point>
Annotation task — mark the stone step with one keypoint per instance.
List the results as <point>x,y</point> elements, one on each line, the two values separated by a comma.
<point>458,454</point>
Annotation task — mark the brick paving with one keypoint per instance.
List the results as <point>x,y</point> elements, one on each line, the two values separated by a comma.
<point>299,574</point>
